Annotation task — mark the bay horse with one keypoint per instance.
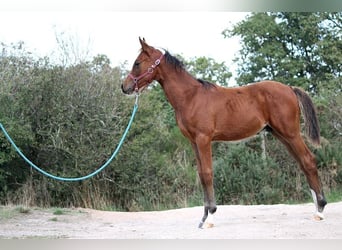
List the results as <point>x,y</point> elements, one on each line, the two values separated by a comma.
<point>206,112</point>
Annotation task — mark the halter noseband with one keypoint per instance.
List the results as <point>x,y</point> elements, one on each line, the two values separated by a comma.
<point>149,71</point>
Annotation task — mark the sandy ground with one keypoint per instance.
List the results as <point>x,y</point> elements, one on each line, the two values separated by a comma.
<point>231,222</point>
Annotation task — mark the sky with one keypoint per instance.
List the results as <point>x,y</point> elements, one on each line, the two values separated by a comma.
<point>115,33</point>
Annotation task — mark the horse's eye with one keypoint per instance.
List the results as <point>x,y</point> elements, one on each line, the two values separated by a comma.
<point>136,64</point>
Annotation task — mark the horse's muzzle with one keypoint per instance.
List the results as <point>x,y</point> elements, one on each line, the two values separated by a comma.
<point>126,91</point>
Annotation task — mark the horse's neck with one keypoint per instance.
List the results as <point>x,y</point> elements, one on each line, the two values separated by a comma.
<point>179,87</point>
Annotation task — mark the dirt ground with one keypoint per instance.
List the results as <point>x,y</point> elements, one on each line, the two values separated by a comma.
<point>231,222</point>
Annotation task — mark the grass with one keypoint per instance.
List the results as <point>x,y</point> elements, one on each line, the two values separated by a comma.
<point>6,213</point>
<point>59,211</point>
<point>54,219</point>
<point>10,212</point>
<point>334,196</point>
<point>22,210</point>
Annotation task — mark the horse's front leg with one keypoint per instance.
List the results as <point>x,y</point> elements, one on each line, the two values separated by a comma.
<point>202,151</point>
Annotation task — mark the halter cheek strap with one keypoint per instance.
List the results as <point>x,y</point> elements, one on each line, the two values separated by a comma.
<point>148,72</point>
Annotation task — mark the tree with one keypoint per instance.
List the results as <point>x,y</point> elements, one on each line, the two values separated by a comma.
<point>302,49</point>
<point>209,70</point>
<point>69,118</point>
<point>299,49</point>
<point>71,49</point>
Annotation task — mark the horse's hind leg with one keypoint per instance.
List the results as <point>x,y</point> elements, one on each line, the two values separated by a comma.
<point>307,162</point>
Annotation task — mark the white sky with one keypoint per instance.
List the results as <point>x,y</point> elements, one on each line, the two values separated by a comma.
<point>115,33</point>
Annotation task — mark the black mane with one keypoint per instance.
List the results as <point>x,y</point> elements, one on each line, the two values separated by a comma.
<point>179,66</point>
<point>170,59</point>
<point>206,84</point>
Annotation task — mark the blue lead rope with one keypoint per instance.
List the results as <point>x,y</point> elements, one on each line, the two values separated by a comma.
<point>135,108</point>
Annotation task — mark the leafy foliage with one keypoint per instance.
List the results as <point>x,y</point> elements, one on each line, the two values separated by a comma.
<point>69,118</point>
<point>209,70</point>
<point>301,49</point>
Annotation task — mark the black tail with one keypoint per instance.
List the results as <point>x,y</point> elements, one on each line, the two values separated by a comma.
<point>310,116</point>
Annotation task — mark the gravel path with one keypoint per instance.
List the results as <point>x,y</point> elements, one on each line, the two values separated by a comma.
<point>231,222</point>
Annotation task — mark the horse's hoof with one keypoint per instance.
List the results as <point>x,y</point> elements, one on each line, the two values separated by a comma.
<point>208,225</point>
<point>205,225</point>
<point>208,222</point>
<point>319,216</point>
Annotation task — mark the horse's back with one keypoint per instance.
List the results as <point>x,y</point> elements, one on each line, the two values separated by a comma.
<point>271,87</point>
<point>273,94</point>
<point>265,96</point>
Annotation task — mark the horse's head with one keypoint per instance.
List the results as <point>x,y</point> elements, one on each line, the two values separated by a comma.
<point>144,69</point>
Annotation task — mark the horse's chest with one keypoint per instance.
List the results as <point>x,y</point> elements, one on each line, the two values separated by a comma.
<point>189,127</point>
<point>181,124</point>
<point>184,126</point>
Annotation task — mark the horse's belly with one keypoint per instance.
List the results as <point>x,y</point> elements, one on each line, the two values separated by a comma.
<point>239,130</point>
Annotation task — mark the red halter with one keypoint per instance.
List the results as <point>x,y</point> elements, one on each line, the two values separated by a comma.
<point>149,71</point>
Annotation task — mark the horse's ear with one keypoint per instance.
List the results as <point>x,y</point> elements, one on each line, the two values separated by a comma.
<point>144,46</point>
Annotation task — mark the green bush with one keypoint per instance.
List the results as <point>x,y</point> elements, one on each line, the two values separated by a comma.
<point>242,176</point>
<point>69,119</point>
